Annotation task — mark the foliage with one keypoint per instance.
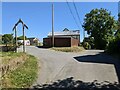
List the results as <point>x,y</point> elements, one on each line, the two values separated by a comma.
<point>117,35</point>
<point>119,21</point>
<point>88,43</point>
<point>114,46</point>
<point>1,42</point>
<point>100,25</point>
<point>7,38</point>
<point>21,38</point>
<point>24,75</point>
<point>11,48</point>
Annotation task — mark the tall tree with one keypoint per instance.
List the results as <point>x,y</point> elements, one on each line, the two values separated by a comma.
<point>100,25</point>
<point>118,31</point>
<point>7,38</point>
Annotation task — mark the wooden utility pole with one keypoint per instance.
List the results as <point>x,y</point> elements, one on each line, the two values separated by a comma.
<point>52,25</point>
<point>23,37</point>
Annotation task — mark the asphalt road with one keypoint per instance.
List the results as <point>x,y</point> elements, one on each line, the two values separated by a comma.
<point>86,66</point>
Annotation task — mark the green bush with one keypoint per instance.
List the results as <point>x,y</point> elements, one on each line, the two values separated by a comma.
<point>86,45</point>
<point>114,46</point>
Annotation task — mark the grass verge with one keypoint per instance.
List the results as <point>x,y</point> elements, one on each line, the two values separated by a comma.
<point>23,76</point>
<point>8,56</point>
<point>68,49</point>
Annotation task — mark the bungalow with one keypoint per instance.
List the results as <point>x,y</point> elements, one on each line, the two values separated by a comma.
<point>66,38</point>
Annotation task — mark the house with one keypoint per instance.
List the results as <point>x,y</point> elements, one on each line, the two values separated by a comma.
<point>66,38</point>
<point>33,41</point>
<point>27,42</point>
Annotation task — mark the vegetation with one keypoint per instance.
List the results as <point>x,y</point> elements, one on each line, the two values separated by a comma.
<point>24,74</point>
<point>68,49</point>
<point>21,38</point>
<point>7,39</point>
<point>100,25</point>
<point>8,56</point>
<point>1,42</point>
<point>114,45</point>
<point>88,43</point>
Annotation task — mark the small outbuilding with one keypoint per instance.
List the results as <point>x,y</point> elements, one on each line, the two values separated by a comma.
<point>65,38</point>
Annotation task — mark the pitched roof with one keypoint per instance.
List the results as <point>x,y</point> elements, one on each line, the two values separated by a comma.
<point>73,32</point>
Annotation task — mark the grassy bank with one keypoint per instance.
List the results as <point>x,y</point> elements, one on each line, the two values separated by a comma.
<point>24,73</point>
<point>68,49</point>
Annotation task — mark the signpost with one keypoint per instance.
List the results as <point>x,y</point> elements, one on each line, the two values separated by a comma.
<point>15,28</point>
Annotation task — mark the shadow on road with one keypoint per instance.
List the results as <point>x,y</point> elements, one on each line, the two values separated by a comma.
<point>70,84</point>
<point>43,47</point>
<point>101,58</point>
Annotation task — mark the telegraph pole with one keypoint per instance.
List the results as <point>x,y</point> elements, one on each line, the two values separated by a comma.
<point>23,38</point>
<point>52,25</point>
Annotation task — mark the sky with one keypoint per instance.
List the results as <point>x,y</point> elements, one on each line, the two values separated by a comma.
<point>38,16</point>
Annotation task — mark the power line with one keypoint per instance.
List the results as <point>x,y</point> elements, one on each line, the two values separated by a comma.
<point>77,13</point>
<point>78,17</point>
<point>72,14</point>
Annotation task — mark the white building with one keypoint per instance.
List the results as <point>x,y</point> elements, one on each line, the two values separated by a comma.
<point>27,42</point>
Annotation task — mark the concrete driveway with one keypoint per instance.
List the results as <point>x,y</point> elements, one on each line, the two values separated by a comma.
<point>86,66</point>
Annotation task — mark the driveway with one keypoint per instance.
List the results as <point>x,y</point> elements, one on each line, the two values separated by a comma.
<point>86,66</point>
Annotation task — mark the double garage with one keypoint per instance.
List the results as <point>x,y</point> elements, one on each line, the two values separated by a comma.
<point>60,42</point>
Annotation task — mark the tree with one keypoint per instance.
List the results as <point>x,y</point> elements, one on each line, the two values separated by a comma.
<point>21,38</point>
<point>119,21</point>
<point>100,25</point>
<point>7,38</point>
<point>117,34</point>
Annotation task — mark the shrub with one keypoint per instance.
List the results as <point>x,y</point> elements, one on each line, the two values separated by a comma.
<point>114,46</point>
<point>8,48</point>
<point>86,45</point>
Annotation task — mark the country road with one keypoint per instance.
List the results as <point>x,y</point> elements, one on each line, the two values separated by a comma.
<point>86,66</point>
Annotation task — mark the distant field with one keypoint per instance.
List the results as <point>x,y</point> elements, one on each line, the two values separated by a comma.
<point>19,70</point>
<point>68,49</point>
